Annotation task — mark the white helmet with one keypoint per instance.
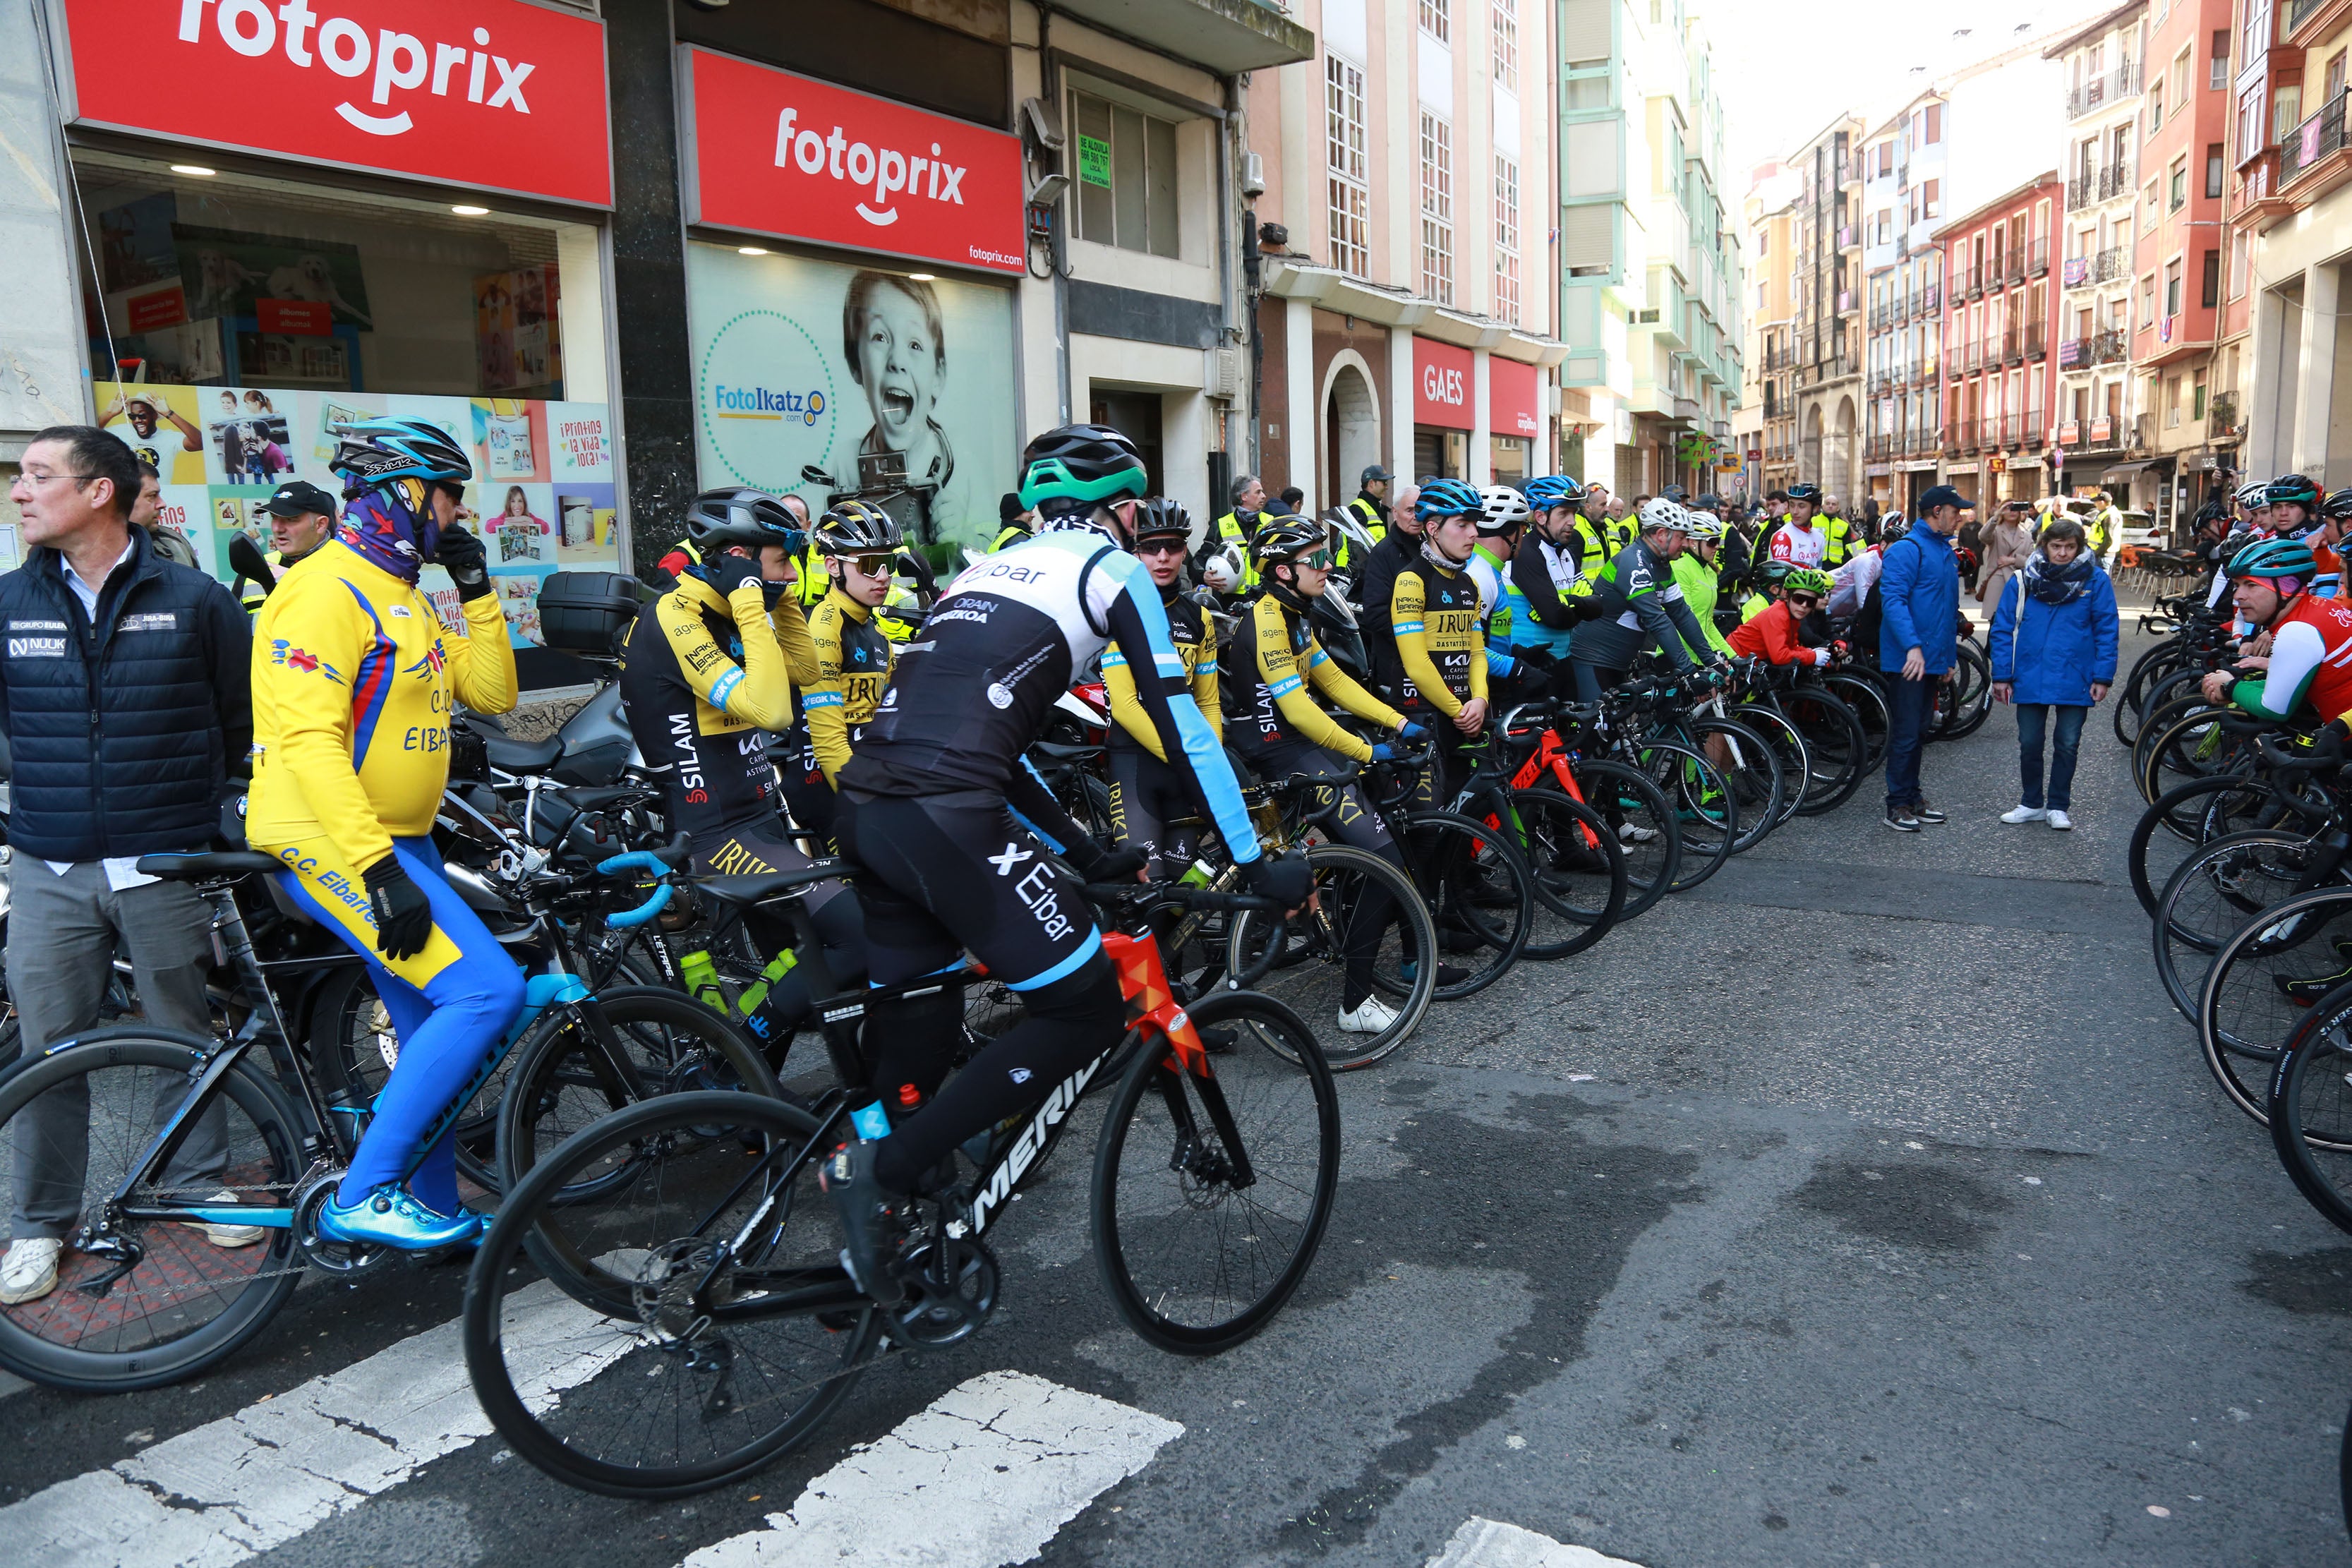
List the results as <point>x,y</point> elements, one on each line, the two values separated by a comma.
<point>1660,512</point>
<point>1502,507</point>
<point>1704,529</point>
<point>1223,569</point>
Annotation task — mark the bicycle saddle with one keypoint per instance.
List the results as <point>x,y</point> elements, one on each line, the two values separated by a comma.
<point>766,885</point>
<point>207,865</point>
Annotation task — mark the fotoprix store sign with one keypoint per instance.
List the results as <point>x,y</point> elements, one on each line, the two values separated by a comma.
<point>771,152</point>
<point>499,95</point>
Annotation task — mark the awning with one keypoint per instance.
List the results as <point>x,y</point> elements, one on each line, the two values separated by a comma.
<point>2124,470</point>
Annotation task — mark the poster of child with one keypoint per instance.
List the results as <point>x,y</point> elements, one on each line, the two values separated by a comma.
<point>160,424</point>
<point>250,438</point>
<point>524,537</point>
<point>519,598</point>
<point>894,338</point>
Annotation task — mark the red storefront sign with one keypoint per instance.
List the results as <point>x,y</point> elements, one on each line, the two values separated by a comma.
<point>304,317</point>
<point>771,152</point>
<point>497,95</point>
<point>1512,397</point>
<point>1441,384</point>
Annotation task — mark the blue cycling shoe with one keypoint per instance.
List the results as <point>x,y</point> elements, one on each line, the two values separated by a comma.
<point>394,1217</point>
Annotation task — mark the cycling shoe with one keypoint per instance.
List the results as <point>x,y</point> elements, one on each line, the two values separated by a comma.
<point>394,1217</point>
<point>864,1208</point>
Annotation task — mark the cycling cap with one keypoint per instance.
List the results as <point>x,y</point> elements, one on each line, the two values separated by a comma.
<point>1809,580</point>
<point>1659,511</point>
<point>1554,489</point>
<point>2339,505</point>
<point>2274,558</point>
<point>739,515</point>
<point>1162,517</point>
<point>374,452</point>
<point>1448,497</point>
<point>1071,469</point>
<point>1806,493</point>
<point>2292,489</point>
<point>1283,537</point>
<point>858,528</point>
<point>1501,507</point>
<point>2254,496</point>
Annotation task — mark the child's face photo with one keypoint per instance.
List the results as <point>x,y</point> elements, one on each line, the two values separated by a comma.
<point>897,366</point>
<point>228,402</point>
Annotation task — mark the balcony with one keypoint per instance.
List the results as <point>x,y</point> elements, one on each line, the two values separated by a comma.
<point>2035,347</point>
<point>1970,282</point>
<point>2102,90</point>
<point>1225,36</point>
<point>1881,381</point>
<point>2222,419</point>
<point>1844,300</point>
<point>2107,348</point>
<point>2070,433</point>
<point>2114,182</point>
<point>1964,436</point>
<point>1879,446</point>
<point>1931,299</point>
<point>2299,12</point>
<point>1903,246</point>
<point>2034,426</point>
<point>2312,144</point>
<point>2073,354</point>
<point>2078,192</point>
<point>2102,431</point>
<point>2012,429</point>
<point>2075,272</point>
<point>2012,347</point>
<point>1848,238</point>
<point>2037,262</point>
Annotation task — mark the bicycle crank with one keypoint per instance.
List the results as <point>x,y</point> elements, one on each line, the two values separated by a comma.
<point>310,1195</point>
<point>954,1283</point>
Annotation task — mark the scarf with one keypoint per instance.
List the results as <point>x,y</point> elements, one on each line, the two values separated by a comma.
<point>381,525</point>
<point>2052,585</point>
<point>1438,558</point>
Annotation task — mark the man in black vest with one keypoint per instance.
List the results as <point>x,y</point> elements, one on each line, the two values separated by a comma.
<point>125,698</point>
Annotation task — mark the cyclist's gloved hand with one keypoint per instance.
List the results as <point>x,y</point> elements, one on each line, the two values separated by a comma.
<point>1540,658</point>
<point>1118,865</point>
<point>1383,752</point>
<point>2335,734</point>
<point>1409,731</point>
<point>461,553</point>
<point>1534,686</point>
<point>1285,879</point>
<point>728,572</point>
<point>403,919</point>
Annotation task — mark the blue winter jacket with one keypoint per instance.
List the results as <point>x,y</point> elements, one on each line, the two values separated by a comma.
<point>1919,600</point>
<point>2055,653</point>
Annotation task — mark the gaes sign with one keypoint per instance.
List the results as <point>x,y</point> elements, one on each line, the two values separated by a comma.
<point>772,152</point>
<point>498,95</point>
<point>1442,378</point>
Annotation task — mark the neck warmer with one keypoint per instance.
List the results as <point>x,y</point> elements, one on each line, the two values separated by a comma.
<point>1439,559</point>
<point>381,526</point>
<point>2052,585</point>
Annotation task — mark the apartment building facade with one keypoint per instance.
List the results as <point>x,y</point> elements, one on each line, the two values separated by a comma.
<point>1999,328</point>
<point>1825,333</point>
<point>1765,424</point>
<point>2103,77</point>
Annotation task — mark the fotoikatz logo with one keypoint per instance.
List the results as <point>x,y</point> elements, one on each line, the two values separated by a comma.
<point>387,61</point>
<point>892,171</point>
<point>754,401</point>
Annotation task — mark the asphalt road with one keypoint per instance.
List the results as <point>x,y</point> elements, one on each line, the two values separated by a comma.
<point>1868,1205</point>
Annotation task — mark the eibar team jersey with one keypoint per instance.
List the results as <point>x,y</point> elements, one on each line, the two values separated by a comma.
<point>2311,661</point>
<point>1000,645</point>
<point>1640,603</point>
<point>700,694</point>
<point>1196,645</point>
<point>1272,699</point>
<point>1441,654</point>
<point>353,677</point>
<point>853,670</point>
<point>1799,546</point>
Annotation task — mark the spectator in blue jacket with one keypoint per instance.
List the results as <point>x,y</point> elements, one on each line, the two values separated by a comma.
<point>125,697</point>
<point>2054,647</point>
<point>1918,644</point>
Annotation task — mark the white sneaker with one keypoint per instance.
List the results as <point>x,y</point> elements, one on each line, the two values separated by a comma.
<point>30,1271</point>
<point>1630,833</point>
<point>2024,813</point>
<point>225,1235</point>
<point>1369,1016</point>
<point>2061,821</point>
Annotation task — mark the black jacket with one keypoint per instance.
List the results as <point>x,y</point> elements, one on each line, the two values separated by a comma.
<point>1374,586</point>
<point>120,735</point>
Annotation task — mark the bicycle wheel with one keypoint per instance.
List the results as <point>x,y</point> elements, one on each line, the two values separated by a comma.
<point>1868,700</point>
<point>1577,864</point>
<point>1637,812</point>
<point>2263,981</point>
<point>1837,751</point>
<point>1965,701</point>
<point>2152,667</point>
<point>1212,1185</point>
<point>1302,961</point>
<point>1705,809</point>
<point>184,1301</point>
<point>2193,746</point>
<point>2198,812</point>
<point>1789,748</point>
<point>588,1060</point>
<point>1479,893</point>
<point>2213,893</point>
<point>2311,1106</point>
<point>695,1322</point>
<point>1752,775</point>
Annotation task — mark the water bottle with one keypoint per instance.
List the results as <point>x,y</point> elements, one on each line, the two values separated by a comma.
<point>1199,876</point>
<point>702,980</point>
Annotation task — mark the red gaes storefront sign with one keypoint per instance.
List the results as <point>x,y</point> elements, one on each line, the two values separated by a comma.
<point>1512,393</point>
<point>499,95</point>
<point>1442,386</point>
<point>771,152</point>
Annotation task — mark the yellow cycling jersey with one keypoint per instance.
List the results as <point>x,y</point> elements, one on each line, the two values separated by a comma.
<point>1195,637</point>
<point>1435,614</point>
<point>853,660</point>
<point>1286,660</point>
<point>353,677</point>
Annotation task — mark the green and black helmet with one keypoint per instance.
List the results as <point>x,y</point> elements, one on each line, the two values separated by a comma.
<point>1076,467</point>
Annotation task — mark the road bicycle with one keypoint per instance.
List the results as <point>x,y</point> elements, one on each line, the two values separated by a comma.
<point>661,1308</point>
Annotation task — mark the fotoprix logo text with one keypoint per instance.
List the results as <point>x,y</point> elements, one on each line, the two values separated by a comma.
<point>761,403</point>
<point>888,171</point>
<point>402,60</point>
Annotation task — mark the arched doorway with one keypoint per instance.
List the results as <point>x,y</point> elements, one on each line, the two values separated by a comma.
<point>1838,474</point>
<point>1809,451</point>
<point>1351,435</point>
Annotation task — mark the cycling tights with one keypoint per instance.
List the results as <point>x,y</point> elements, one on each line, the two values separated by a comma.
<point>783,999</point>
<point>1145,792</point>
<point>943,875</point>
<point>451,1006</point>
<point>1355,823</point>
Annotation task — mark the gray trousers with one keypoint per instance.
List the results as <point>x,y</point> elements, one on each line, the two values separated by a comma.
<point>62,935</point>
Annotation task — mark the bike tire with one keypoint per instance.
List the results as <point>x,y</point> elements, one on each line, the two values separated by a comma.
<point>1159,1104</point>
<point>2207,804</point>
<point>1315,936</point>
<point>1837,751</point>
<point>1754,777</point>
<point>1705,808</point>
<point>1788,746</point>
<point>1478,888</point>
<point>1868,700</point>
<point>2311,1107</point>
<point>2210,897</point>
<point>1567,847</point>
<point>1642,821</point>
<point>2249,1006</point>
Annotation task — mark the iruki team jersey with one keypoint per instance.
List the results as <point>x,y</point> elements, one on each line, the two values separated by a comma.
<point>1799,546</point>
<point>2311,661</point>
<point>1196,644</point>
<point>854,661</point>
<point>352,682</point>
<point>997,649</point>
<point>699,696</point>
<point>1272,698</point>
<point>1440,654</point>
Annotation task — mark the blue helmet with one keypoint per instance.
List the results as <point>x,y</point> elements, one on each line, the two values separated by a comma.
<point>1448,497</point>
<point>1554,489</point>
<point>374,452</point>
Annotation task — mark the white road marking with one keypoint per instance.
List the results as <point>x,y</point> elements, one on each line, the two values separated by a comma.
<point>248,1483</point>
<point>1488,1544</point>
<point>982,1477</point>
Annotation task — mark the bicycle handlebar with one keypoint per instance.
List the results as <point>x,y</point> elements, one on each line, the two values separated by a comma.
<point>661,863</point>
<point>2327,753</point>
<point>1178,893</point>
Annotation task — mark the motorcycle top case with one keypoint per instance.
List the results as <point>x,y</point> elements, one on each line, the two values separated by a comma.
<point>589,612</point>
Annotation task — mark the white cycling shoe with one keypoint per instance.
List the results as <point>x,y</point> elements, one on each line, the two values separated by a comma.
<point>1369,1016</point>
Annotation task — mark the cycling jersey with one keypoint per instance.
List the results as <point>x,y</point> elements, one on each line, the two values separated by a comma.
<point>1853,581</point>
<point>1697,581</point>
<point>1195,635</point>
<point>1799,546</point>
<point>352,680</point>
<point>2311,660</point>
<point>1639,602</point>
<point>1440,660</point>
<point>853,669</point>
<point>1537,591</point>
<point>699,695</point>
<point>1772,634</point>
<point>1272,698</point>
<point>1000,645</point>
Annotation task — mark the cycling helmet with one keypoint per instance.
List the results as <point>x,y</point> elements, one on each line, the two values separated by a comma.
<point>2254,496</point>
<point>1809,580</point>
<point>1659,511</point>
<point>1553,491</point>
<point>2339,505</point>
<point>2291,489</point>
<point>1285,536</point>
<point>1448,497</point>
<point>1704,529</point>
<point>1811,493</point>
<point>1770,575</point>
<point>1068,470</point>
<point>1893,529</point>
<point>739,515</point>
<point>1501,509</point>
<point>372,453</point>
<point>1164,517</point>
<point>2274,559</point>
<point>1221,571</point>
<point>858,528</point>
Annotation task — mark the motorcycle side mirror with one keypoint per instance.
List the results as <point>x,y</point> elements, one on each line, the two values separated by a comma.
<point>813,475</point>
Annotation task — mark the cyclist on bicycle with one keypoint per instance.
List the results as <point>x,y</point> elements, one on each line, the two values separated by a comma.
<point>1145,791</point>
<point>858,543</point>
<point>1435,658</point>
<point>1559,548</point>
<point>1777,633</point>
<point>354,679</point>
<point>1283,732</point>
<point>706,670</point>
<point>1640,603</point>
<point>1695,573</point>
<point>2310,637</point>
<point>926,812</point>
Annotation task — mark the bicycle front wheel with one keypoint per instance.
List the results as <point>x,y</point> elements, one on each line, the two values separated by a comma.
<point>1577,864</point>
<point>1365,929</point>
<point>1214,1182</point>
<point>2311,1106</point>
<point>2213,893</point>
<point>1478,892</point>
<point>2262,982</point>
<point>1638,813</point>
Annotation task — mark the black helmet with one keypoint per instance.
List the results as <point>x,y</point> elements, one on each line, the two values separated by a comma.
<point>1071,469</point>
<point>1164,517</point>
<point>1282,537</point>
<point>739,515</point>
<point>2339,505</point>
<point>2292,489</point>
<point>1811,493</point>
<point>856,528</point>
<point>1771,574</point>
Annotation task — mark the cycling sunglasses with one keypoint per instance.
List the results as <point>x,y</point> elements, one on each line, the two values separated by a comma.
<point>794,541</point>
<point>869,565</point>
<point>1171,545</point>
<point>1804,598</point>
<point>1320,560</point>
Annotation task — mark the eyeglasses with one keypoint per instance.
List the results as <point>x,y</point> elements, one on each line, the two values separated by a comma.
<point>794,541</point>
<point>1160,547</point>
<point>868,565</point>
<point>1319,559</point>
<point>32,480</point>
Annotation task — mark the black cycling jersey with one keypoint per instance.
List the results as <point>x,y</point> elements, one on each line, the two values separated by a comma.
<point>1640,605</point>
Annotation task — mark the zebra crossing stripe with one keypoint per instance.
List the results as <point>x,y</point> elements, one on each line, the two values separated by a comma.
<point>1488,1544</point>
<point>235,1488</point>
<point>982,1477</point>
